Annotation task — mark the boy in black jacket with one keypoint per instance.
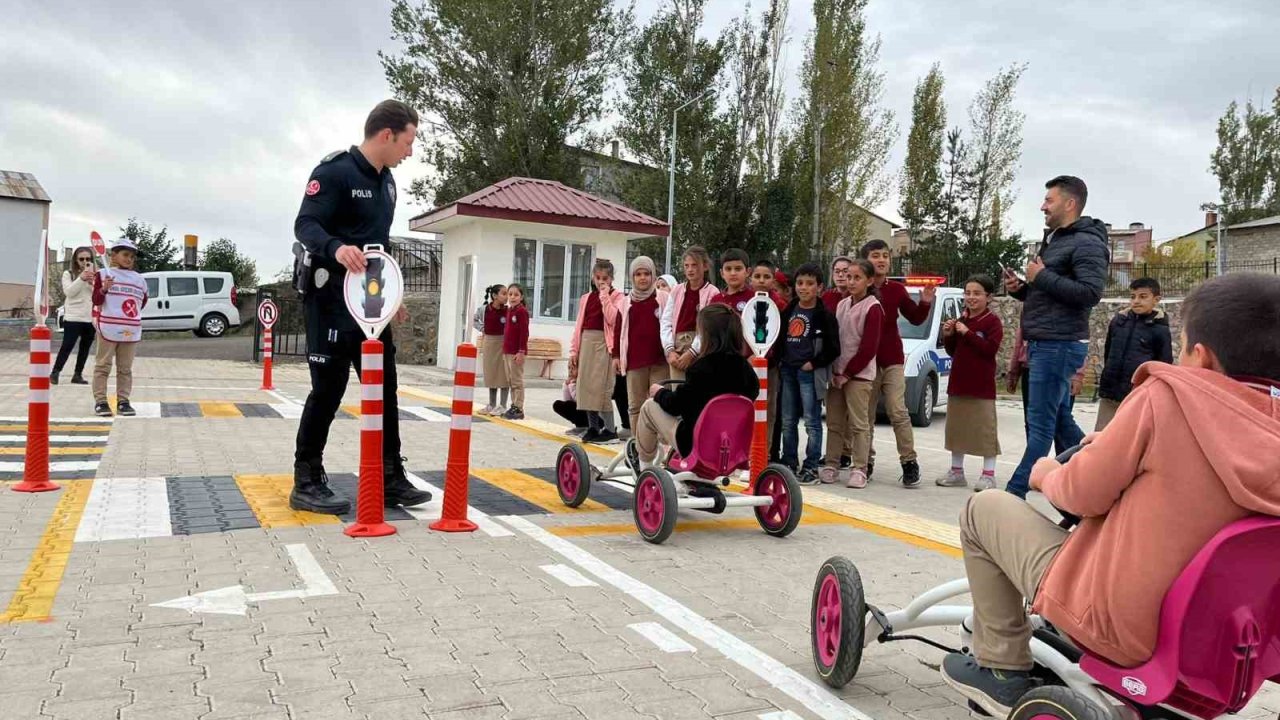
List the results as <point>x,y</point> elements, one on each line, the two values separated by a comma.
<point>809,343</point>
<point>1136,335</point>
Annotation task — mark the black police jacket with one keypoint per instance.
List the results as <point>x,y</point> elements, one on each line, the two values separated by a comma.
<point>346,202</point>
<point>1131,341</point>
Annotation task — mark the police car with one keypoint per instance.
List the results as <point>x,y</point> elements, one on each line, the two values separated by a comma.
<point>928,364</point>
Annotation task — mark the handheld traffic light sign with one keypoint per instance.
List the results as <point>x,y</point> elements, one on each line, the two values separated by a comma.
<point>761,323</point>
<point>374,296</point>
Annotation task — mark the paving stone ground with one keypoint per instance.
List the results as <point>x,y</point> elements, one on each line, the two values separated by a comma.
<point>424,624</point>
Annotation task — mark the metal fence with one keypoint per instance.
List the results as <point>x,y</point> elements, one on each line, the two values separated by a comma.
<point>419,262</point>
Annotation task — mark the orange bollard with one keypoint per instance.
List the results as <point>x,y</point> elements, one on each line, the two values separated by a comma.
<point>458,468</point>
<point>760,434</point>
<point>369,498</point>
<point>266,360</point>
<point>35,472</point>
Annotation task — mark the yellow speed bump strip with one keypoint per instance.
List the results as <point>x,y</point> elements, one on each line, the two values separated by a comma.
<point>220,410</point>
<point>534,490</point>
<point>268,497</point>
<point>33,600</point>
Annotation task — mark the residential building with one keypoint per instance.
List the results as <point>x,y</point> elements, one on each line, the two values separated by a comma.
<point>1205,238</point>
<point>24,216</point>
<point>879,228</point>
<point>1253,245</point>
<point>606,175</point>
<point>1128,245</point>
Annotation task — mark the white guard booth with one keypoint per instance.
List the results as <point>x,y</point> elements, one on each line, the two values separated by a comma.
<point>539,233</point>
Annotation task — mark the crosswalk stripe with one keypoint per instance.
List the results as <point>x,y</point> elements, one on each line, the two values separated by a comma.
<point>22,439</point>
<point>56,466</point>
<point>426,413</point>
<point>126,508</point>
<point>268,497</point>
<point>54,451</point>
<point>534,490</point>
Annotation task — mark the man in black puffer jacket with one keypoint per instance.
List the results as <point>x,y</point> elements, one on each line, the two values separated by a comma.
<point>1064,281</point>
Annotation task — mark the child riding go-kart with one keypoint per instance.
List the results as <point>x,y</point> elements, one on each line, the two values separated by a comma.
<point>707,424</point>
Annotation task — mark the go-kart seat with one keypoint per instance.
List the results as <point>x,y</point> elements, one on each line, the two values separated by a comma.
<point>1219,636</point>
<point>721,439</point>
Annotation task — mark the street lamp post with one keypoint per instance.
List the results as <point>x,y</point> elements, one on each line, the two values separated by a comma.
<point>1222,228</point>
<point>671,184</point>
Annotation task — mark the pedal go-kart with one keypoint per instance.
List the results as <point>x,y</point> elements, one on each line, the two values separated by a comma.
<point>721,447</point>
<point>1218,642</point>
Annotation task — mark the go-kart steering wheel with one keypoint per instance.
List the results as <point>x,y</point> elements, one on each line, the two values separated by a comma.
<point>1068,520</point>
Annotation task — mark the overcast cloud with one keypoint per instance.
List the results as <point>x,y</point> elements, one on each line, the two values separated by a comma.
<point>208,117</point>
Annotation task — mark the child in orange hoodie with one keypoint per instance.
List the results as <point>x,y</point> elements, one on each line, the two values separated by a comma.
<point>1149,499</point>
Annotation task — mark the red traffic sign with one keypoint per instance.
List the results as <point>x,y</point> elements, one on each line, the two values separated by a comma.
<point>268,312</point>
<point>95,240</point>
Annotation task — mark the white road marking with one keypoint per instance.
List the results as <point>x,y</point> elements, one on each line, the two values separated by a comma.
<point>56,466</point>
<point>145,410</point>
<point>817,699</point>
<point>233,600</point>
<point>432,510</point>
<point>71,439</point>
<point>282,397</point>
<point>126,509</point>
<point>288,411</point>
<point>666,640</point>
<point>568,576</point>
<point>426,413</point>
<point>91,420</point>
<point>780,715</point>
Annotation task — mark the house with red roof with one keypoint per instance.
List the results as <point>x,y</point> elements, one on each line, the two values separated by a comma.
<point>541,234</point>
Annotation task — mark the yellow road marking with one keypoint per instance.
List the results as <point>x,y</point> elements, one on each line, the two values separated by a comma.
<point>353,410</point>
<point>220,410</point>
<point>60,450</point>
<point>883,521</point>
<point>33,600</point>
<point>268,497</point>
<point>535,490</point>
<point>104,428</point>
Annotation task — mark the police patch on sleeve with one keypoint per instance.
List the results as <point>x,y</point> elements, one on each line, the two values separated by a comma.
<point>313,187</point>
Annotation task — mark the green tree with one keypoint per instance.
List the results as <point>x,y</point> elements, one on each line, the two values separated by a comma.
<point>155,251</point>
<point>1247,161</point>
<point>921,183</point>
<point>222,256</point>
<point>502,86</point>
<point>995,151</point>
<point>843,90</point>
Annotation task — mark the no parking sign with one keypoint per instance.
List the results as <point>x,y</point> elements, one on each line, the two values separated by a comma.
<point>267,313</point>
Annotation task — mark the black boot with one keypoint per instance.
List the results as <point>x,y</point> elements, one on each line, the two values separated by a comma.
<point>397,490</point>
<point>78,379</point>
<point>311,491</point>
<point>53,378</point>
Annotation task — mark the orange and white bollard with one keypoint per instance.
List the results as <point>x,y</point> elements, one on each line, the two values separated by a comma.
<point>369,497</point>
<point>267,345</point>
<point>760,433</point>
<point>458,467</point>
<point>35,471</point>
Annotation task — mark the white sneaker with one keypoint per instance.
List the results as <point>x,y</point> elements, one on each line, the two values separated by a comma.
<point>984,482</point>
<point>486,410</point>
<point>498,410</point>
<point>952,478</point>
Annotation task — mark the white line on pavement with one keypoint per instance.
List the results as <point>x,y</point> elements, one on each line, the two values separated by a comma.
<point>433,509</point>
<point>282,397</point>
<point>126,508</point>
<point>666,640</point>
<point>56,466</point>
<point>780,715</point>
<point>77,420</point>
<point>426,413</point>
<point>569,576</point>
<point>72,439</point>
<point>818,699</point>
<point>288,411</point>
<point>145,410</point>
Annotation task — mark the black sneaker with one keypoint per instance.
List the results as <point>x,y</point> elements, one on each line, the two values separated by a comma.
<point>995,691</point>
<point>606,436</point>
<point>124,408</point>
<point>808,477</point>
<point>846,461</point>
<point>53,378</point>
<point>311,491</point>
<point>591,435</point>
<point>397,490</point>
<point>102,409</point>
<point>633,455</point>
<point>514,413</point>
<point>78,379</point>
<point>871,466</point>
<point>911,474</point>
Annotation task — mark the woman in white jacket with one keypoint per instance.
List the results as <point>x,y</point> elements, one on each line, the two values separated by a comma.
<point>77,313</point>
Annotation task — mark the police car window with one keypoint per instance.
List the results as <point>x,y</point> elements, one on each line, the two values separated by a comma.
<point>181,286</point>
<point>213,286</point>
<point>916,332</point>
<point>153,287</point>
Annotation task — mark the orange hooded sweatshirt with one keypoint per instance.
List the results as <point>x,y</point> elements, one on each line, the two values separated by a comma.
<point>1189,452</point>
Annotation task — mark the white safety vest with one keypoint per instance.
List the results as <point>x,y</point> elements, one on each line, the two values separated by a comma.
<point>120,318</point>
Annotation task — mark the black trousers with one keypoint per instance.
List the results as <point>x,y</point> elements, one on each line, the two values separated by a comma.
<point>568,409</point>
<point>72,332</point>
<point>331,353</point>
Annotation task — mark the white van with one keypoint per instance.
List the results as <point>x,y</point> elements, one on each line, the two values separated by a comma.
<point>928,364</point>
<point>196,300</point>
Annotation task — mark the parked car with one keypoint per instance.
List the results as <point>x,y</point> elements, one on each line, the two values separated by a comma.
<point>928,365</point>
<point>200,301</point>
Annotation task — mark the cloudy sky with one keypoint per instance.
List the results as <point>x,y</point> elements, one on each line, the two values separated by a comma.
<point>207,117</point>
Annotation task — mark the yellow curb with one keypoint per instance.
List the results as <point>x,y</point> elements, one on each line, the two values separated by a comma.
<point>33,600</point>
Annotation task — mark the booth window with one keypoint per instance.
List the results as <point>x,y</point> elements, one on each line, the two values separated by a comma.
<point>554,276</point>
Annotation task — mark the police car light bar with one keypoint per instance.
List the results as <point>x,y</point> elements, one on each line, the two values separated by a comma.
<point>924,280</point>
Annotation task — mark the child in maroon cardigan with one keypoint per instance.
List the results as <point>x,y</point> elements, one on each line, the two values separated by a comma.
<point>973,339</point>
<point>515,345</point>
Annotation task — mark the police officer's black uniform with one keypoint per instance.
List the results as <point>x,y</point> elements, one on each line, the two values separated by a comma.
<point>347,202</point>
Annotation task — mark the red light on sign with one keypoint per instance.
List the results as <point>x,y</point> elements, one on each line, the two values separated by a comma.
<point>924,280</point>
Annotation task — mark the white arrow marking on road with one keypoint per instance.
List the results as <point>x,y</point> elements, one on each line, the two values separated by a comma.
<point>234,600</point>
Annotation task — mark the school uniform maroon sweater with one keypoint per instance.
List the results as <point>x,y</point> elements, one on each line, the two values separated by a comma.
<point>894,298</point>
<point>973,356</point>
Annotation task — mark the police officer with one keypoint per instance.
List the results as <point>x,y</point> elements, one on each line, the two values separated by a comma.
<point>348,203</point>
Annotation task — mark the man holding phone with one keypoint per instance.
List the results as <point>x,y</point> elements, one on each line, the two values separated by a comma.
<point>1062,284</point>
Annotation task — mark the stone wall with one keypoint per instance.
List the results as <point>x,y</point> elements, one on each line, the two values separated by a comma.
<point>1010,312</point>
<point>1251,246</point>
<point>416,344</point>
